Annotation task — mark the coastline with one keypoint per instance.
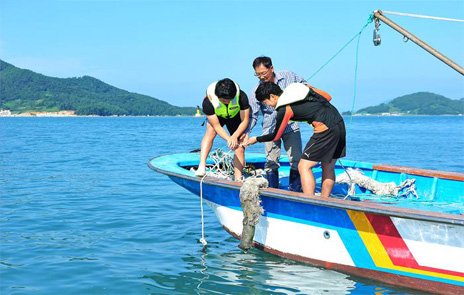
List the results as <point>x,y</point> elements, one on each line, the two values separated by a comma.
<point>403,115</point>
<point>93,116</point>
<point>71,113</point>
<point>202,116</point>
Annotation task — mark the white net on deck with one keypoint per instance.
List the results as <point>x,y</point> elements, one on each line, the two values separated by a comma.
<point>353,177</point>
<point>223,166</point>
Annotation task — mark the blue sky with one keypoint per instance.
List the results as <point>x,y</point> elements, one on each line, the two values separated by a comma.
<point>172,50</point>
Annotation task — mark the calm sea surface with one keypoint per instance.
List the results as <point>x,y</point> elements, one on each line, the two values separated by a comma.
<point>81,213</point>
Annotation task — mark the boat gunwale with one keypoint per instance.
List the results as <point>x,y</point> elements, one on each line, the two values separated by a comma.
<point>415,214</point>
<point>420,172</point>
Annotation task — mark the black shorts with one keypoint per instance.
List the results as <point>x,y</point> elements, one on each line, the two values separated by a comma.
<point>327,145</point>
<point>231,123</point>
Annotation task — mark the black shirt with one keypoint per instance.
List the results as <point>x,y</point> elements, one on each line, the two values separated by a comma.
<point>319,112</point>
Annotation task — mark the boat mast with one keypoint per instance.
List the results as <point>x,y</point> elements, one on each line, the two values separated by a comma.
<point>379,16</point>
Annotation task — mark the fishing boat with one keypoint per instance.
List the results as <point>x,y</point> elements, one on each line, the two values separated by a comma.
<point>414,239</point>
<point>415,243</point>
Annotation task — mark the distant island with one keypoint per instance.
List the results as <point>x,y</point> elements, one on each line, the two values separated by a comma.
<point>29,93</point>
<point>26,92</point>
<point>419,103</point>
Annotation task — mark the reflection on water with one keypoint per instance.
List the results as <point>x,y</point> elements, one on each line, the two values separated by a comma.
<point>256,272</point>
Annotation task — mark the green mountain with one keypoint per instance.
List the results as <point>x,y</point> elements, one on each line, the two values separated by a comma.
<point>420,103</point>
<point>25,91</point>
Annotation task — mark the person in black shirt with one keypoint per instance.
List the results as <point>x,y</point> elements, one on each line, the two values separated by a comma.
<point>300,102</point>
<point>225,104</point>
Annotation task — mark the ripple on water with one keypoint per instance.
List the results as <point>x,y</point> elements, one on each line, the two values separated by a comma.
<point>81,213</point>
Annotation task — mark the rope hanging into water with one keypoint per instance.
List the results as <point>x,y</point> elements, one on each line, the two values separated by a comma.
<point>202,239</point>
<point>218,157</point>
<point>422,16</point>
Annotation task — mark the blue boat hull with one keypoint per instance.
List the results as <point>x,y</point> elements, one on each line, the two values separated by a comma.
<point>378,239</point>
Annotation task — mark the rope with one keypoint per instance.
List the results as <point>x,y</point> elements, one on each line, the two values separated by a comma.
<point>252,209</point>
<point>423,16</point>
<point>202,240</point>
<point>349,177</point>
<point>353,176</point>
<point>358,35</point>
<point>371,19</point>
<point>355,83</point>
<point>218,157</point>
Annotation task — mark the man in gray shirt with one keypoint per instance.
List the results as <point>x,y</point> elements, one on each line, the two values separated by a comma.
<point>291,138</point>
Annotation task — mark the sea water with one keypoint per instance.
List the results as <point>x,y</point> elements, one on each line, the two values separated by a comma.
<point>81,213</point>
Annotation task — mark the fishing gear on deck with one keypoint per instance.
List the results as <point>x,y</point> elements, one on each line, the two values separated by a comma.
<point>353,177</point>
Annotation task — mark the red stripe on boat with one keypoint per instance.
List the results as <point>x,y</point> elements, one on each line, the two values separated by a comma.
<point>395,246</point>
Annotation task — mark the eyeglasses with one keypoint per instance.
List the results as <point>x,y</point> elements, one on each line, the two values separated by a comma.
<point>263,73</point>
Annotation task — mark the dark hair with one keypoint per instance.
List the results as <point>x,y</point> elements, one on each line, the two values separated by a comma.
<point>264,60</point>
<point>225,88</point>
<point>265,90</point>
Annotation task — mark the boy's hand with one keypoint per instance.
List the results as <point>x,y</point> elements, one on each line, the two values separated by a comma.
<point>232,143</point>
<point>252,141</point>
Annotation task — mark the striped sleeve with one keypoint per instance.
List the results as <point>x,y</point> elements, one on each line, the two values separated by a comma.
<point>284,114</point>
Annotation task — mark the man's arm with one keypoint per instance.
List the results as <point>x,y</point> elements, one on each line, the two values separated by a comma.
<point>284,114</point>
<point>245,117</point>
<point>214,121</point>
<point>299,79</point>
<point>254,111</point>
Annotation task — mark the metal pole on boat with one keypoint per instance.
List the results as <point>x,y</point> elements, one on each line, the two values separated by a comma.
<point>378,14</point>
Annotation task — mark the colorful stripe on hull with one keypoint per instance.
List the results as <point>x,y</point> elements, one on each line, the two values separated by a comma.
<point>372,243</point>
<point>389,251</point>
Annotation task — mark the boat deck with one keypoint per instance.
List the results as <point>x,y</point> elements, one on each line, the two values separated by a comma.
<point>438,191</point>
